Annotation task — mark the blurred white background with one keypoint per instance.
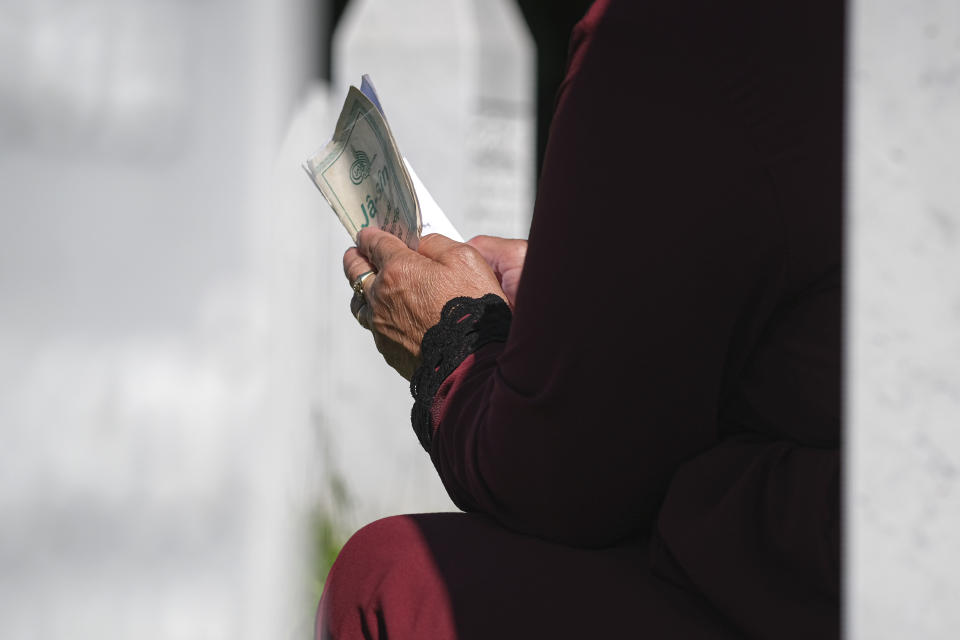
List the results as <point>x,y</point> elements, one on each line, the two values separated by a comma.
<point>184,397</point>
<point>150,483</point>
<point>186,403</point>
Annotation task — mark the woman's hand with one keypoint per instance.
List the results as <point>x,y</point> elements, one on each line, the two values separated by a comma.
<point>505,256</point>
<point>405,296</point>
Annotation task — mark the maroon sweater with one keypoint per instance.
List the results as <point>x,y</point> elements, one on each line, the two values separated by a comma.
<point>673,366</point>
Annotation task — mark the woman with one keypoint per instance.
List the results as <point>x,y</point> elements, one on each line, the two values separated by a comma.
<point>640,411</point>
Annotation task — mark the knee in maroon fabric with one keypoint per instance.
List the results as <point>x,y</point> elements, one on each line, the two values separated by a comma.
<point>385,584</point>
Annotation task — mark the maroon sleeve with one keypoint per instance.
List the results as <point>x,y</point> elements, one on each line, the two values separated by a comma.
<point>755,528</point>
<point>658,255</point>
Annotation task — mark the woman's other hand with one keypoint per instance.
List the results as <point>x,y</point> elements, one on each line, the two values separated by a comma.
<point>405,296</point>
<point>505,256</point>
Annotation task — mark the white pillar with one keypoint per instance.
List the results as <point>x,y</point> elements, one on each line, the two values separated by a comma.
<point>903,321</point>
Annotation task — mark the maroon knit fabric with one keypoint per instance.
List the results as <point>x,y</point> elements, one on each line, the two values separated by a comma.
<point>656,446</point>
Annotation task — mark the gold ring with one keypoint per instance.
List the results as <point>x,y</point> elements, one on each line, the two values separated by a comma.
<point>358,283</point>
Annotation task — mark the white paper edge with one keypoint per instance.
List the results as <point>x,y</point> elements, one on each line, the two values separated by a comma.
<point>432,217</point>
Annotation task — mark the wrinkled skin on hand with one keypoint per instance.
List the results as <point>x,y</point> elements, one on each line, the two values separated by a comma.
<point>405,296</point>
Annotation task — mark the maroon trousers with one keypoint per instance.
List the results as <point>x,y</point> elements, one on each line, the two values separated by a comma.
<point>453,575</point>
<point>654,452</point>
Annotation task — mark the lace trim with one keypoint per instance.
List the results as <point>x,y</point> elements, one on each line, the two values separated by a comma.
<point>466,324</point>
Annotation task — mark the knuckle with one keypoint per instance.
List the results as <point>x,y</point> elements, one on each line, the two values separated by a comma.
<point>467,256</point>
<point>372,296</point>
<point>380,244</point>
<point>460,252</point>
<point>387,275</point>
<point>396,272</point>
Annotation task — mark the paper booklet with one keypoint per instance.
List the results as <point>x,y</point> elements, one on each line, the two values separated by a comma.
<point>366,180</point>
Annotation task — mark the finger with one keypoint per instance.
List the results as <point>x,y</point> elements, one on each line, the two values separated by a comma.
<point>487,246</point>
<point>435,245</point>
<point>363,315</point>
<point>355,264</point>
<point>379,246</point>
<point>357,304</point>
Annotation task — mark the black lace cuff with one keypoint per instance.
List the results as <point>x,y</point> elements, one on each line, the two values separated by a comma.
<point>466,324</point>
